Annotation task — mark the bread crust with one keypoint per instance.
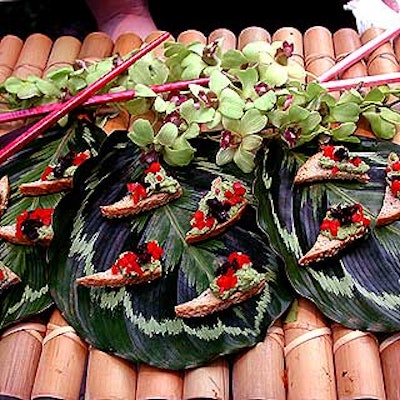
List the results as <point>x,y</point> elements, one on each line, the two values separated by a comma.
<point>107,278</point>
<point>9,233</point>
<point>311,171</point>
<point>219,228</point>
<point>207,303</point>
<point>324,247</point>
<point>11,278</point>
<point>126,206</point>
<point>43,187</point>
<point>390,210</point>
<point>4,193</point>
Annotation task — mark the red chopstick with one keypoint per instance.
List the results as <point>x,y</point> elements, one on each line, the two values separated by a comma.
<point>124,95</point>
<point>35,130</point>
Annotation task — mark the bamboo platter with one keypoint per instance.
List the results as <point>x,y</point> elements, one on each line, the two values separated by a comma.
<point>303,355</point>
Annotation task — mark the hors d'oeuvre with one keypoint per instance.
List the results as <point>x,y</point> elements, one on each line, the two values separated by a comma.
<point>157,189</point>
<point>4,193</point>
<point>56,177</point>
<point>217,210</point>
<point>7,277</point>
<point>236,281</point>
<point>32,227</point>
<point>390,210</point>
<point>333,163</point>
<point>342,225</point>
<point>130,268</point>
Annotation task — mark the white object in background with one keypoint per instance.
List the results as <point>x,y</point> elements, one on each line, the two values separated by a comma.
<point>374,13</point>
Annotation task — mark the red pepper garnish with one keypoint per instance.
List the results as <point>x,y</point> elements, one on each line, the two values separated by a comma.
<point>227,281</point>
<point>153,168</point>
<point>137,191</point>
<point>238,258</point>
<point>2,276</point>
<point>154,249</point>
<point>43,215</point>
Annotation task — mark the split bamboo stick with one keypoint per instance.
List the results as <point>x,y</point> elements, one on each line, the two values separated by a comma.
<point>318,51</point>
<point>210,381</point>
<point>96,46</point>
<point>155,383</point>
<point>191,36</point>
<point>357,364</point>
<point>259,373</point>
<point>390,358</point>
<point>20,350</point>
<point>159,50</point>
<point>62,362</point>
<point>109,377</point>
<point>308,355</point>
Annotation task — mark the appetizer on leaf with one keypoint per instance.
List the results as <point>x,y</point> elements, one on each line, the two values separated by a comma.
<point>157,189</point>
<point>7,277</point>
<point>236,281</point>
<point>333,163</point>
<point>390,210</point>
<point>4,193</point>
<point>57,177</point>
<point>130,268</point>
<point>31,227</point>
<point>341,226</point>
<point>220,208</point>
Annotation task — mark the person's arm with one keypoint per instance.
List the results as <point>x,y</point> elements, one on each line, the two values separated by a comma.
<point>115,17</point>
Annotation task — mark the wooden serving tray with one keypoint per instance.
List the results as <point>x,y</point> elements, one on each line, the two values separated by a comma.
<point>302,358</point>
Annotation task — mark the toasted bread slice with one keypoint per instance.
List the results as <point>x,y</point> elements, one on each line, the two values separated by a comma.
<point>207,303</point>
<point>43,187</point>
<point>126,206</point>
<point>390,210</point>
<point>7,278</point>
<point>9,233</point>
<point>324,247</point>
<point>107,278</point>
<point>218,229</point>
<point>311,171</point>
<point>4,193</point>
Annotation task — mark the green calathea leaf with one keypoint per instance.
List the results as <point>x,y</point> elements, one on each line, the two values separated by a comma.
<point>358,288</point>
<point>32,296</point>
<point>139,322</point>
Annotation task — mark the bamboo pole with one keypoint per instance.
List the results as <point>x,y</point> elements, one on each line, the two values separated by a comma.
<point>390,358</point>
<point>308,355</point>
<point>20,350</point>
<point>109,377</point>
<point>64,53</point>
<point>318,51</point>
<point>252,34</point>
<point>227,38</point>
<point>62,362</point>
<point>357,364</point>
<point>210,381</point>
<point>96,46</point>
<point>160,384</point>
<point>10,48</point>
<point>258,373</point>
<point>294,36</point>
<point>191,36</point>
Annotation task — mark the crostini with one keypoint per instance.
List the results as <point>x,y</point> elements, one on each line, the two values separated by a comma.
<point>4,193</point>
<point>7,277</point>
<point>157,189</point>
<point>235,282</point>
<point>56,177</point>
<point>220,208</point>
<point>333,163</point>
<point>342,225</point>
<point>390,210</point>
<point>130,268</point>
<point>32,227</point>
